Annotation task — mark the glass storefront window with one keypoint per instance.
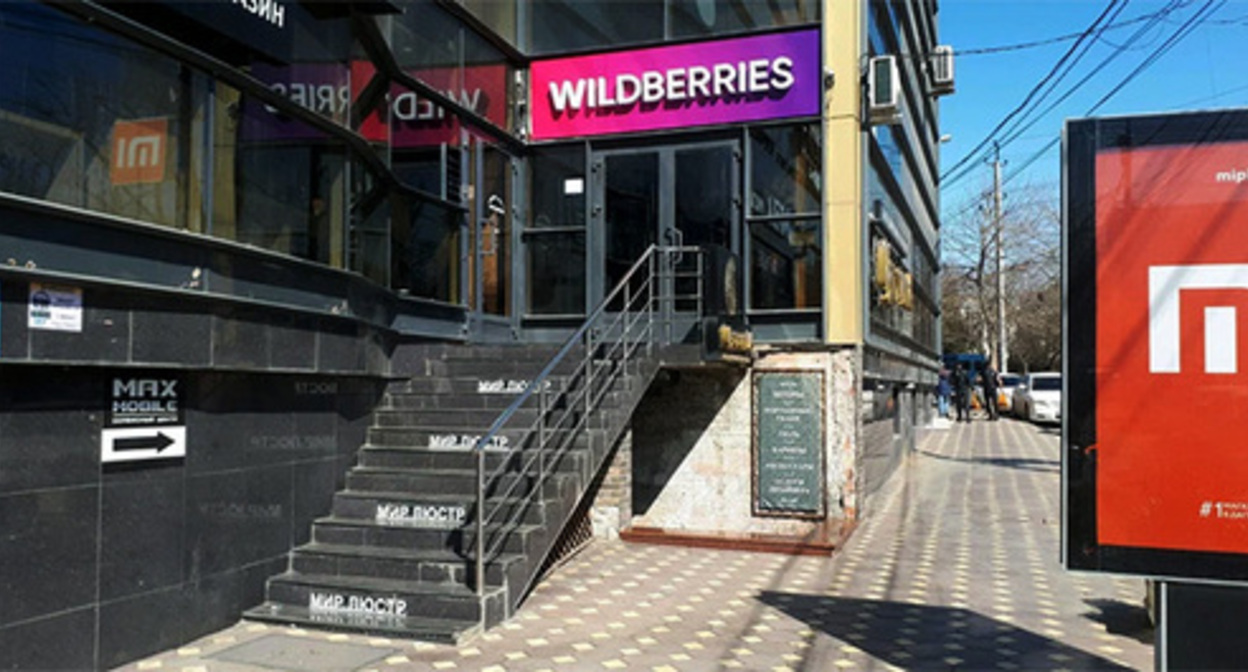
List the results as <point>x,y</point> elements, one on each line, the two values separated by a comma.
<point>324,88</point>
<point>786,265</point>
<point>93,121</point>
<point>556,273</point>
<point>498,16</point>
<point>558,188</point>
<point>784,171</point>
<point>425,249</point>
<point>570,25</point>
<point>555,237</point>
<point>695,18</point>
<point>435,48</point>
<point>368,238</point>
<point>278,183</point>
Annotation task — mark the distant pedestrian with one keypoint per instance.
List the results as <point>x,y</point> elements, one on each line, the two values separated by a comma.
<point>944,388</point>
<point>991,382</point>
<point>962,392</point>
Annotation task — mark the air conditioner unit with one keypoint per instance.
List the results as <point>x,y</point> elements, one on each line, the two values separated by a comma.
<point>941,69</point>
<point>883,90</point>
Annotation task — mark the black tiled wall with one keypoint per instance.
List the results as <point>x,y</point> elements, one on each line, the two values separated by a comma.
<point>147,327</point>
<point>154,554</point>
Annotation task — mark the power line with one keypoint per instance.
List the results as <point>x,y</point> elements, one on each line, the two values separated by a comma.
<point>1054,40</point>
<point>1187,28</point>
<point>974,153</point>
<point>1210,7</point>
<point>1019,128</point>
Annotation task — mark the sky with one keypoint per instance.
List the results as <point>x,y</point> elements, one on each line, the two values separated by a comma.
<point>1207,69</point>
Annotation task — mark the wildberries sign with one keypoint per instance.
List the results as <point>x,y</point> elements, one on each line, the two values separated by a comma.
<point>745,79</point>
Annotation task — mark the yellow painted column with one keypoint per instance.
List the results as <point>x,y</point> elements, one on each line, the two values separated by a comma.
<point>843,174</point>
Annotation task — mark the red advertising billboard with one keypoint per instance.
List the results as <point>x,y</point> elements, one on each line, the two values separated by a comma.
<point>1156,276</point>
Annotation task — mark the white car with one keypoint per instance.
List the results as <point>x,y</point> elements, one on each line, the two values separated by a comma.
<point>1009,383</point>
<point>1039,397</point>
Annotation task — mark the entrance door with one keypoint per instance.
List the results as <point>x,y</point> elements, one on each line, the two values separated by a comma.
<point>676,195</point>
<point>488,251</point>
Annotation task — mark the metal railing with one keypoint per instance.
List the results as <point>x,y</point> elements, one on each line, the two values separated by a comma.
<point>642,311</point>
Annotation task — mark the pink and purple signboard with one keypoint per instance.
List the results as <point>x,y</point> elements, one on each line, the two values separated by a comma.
<point>745,79</point>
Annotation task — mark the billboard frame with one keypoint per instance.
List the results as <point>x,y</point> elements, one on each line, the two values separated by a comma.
<point>1082,140</point>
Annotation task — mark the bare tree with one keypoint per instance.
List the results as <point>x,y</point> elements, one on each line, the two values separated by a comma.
<point>1030,235</point>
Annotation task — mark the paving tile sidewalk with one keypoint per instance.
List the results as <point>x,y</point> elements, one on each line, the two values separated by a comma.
<point>956,569</point>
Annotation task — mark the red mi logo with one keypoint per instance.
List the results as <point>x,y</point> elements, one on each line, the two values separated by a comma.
<point>138,151</point>
<point>1164,286</point>
<point>1171,304</point>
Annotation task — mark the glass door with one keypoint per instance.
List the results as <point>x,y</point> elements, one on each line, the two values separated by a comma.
<point>632,211</point>
<point>675,195</point>
<point>489,251</point>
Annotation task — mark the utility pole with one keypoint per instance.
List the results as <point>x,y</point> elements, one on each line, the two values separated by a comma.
<point>1003,351</point>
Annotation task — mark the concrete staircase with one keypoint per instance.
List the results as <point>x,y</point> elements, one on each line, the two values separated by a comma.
<point>396,555</point>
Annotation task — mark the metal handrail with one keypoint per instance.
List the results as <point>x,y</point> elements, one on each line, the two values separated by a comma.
<point>637,304</point>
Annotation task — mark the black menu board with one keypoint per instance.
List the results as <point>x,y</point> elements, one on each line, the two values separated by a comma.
<point>788,442</point>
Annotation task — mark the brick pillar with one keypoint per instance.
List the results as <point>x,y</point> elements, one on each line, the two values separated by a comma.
<point>613,504</point>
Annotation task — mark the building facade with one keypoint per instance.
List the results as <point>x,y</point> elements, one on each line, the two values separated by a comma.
<point>228,227</point>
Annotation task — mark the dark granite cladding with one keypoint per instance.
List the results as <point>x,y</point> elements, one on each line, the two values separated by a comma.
<point>292,343</point>
<point>312,480</point>
<point>65,641</point>
<point>236,518</point>
<point>180,547</point>
<point>341,348</point>
<point>240,339</point>
<point>47,551</point>
<point>141,625</point>
<point>14,336</point>
<point>46,448</point>
<point>226,440</point>
<point>166,334</point>
<point>141,538</point>
<point>124,325</point>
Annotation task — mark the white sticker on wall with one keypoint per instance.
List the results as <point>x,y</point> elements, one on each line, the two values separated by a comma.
<point>573,186</point>
<point>54,308</point>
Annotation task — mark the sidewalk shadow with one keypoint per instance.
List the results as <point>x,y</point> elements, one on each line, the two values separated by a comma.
<point>1028,463</point>
<point>1122,618</point>
<point>914,636</point>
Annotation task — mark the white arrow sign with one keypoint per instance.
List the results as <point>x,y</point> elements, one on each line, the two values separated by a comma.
<point>131,444</point>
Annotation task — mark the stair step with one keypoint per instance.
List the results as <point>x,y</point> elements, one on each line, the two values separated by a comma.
<point>483,386</point>
<point>423,459</point>
<point>444,417</point>
<point>425,481</point>
<point>495,369</point>
<point>351,532</point>
<point>398,401</point>
<point>460,438</point>
<point>440,631</point>
<point>425,511</point>
<point>441,436</point>
<point>452,351</point>
<point>416,401</point>
<point>372,596</point>
<point>433,458</point>
<point>403,564</point>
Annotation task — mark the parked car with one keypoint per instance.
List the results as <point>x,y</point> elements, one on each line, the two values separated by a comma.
<point>1009,381</point>
<point>1039,397</point>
